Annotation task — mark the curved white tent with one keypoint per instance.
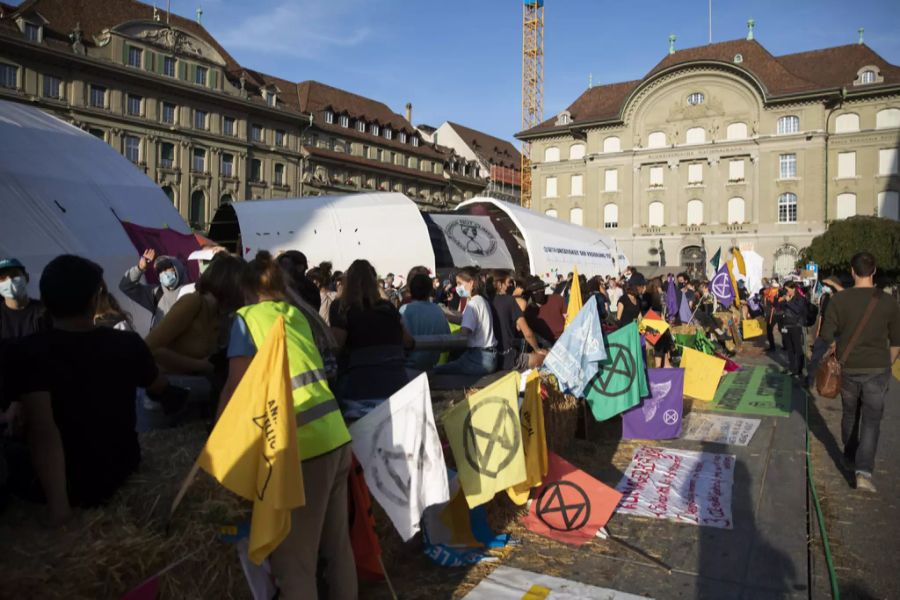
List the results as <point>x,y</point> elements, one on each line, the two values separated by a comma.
<point>384,228</point>
<point>555,246</point>
<point>63,191</point>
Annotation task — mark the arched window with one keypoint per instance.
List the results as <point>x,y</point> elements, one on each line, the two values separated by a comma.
<point>887,118</point>
<point>695,212</point>
<point>867,76</point>
<point>611,216</point>
<point>169,191</point>
<point>736,131</point>
<point>696,135</point>
<point>736,208</point>
<point>551,154</point>
<point>787,208</point>
<point>657,139</point>
<point>789,124</point>
<point>889,205</point>
<point>576,216</point>
<point>656,214</point>
<point>197,212</point>
<point>551,212</point>
<point>696,98</point>
<point>612,144</point>
<point>846,122</point>
<point>576,151</point>
<point>846,205</point>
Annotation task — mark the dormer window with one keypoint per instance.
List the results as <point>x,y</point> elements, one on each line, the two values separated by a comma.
<point>361,126</point>
<point>345,121</point>
<point>375,129</point>
<point>564,118</point>
<point>329,117</point>
<point>738,59</point>
<point>32,32</point>
<point>696,98</point>
<point>415,141</point>
<point>388,134</point>
<point>402,137</point>
<point>271,98</point>
<point>135,56</point>
<point>200,75</point>
<point>867,76</point>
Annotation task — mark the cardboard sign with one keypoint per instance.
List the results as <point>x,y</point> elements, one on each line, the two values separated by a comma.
<point>753,327</point>
<point>701,374</point>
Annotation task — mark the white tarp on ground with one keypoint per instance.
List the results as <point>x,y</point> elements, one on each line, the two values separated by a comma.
<point>61,191</point>
<point>555,246</point>
<point>384,228</point>
<point>473,240</point>
<point>508,583</point>
<point>678,485</point>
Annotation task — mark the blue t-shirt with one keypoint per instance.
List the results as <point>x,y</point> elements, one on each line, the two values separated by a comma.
<point>240,341</point>
<point>423,318</point>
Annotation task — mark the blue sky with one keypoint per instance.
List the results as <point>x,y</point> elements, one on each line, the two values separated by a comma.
<point>461,60</point>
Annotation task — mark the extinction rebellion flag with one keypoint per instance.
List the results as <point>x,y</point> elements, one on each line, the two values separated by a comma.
<point>621,381</point>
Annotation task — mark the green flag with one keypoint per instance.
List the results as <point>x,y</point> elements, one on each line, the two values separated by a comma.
<point>715,259</point>
<point>621,381</point>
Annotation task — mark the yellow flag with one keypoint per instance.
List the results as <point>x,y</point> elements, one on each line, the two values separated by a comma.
<point>253,450</point>
<point>534,440</point>
<point>738,262</point>
<point>574,298</point>
<point>702,373</point>
<point>486,440</point>
<point>753,327</point>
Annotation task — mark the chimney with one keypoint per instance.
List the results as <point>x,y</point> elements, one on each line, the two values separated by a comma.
<point>409,111</point>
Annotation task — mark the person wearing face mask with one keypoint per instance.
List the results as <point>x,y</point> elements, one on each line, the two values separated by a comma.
<point>159,298</point>
<point>19,315</point>
<point>480,356</point>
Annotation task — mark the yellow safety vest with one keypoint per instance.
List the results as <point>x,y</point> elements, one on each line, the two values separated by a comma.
<point>320,425</point>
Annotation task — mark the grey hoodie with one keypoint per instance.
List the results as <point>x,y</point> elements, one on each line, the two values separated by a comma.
<point>146,295</point>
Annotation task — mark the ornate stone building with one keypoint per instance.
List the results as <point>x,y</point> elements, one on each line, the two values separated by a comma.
<point>160,89</point>
<point>726,145</point>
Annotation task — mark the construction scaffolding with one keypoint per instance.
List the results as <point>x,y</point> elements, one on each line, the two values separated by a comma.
<point>532,83</point>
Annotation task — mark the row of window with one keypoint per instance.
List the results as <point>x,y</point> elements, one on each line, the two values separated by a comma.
<point>169,66</point>
<point>373,128</point>
<point>888,163</point>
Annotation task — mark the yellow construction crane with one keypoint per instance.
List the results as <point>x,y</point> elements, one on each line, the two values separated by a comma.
<point>532,83</point>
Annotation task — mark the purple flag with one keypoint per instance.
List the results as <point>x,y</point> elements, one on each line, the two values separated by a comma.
<point>671,299</point>
<point>720,286</point>
<point>684,311</point>
<point>657,417</point>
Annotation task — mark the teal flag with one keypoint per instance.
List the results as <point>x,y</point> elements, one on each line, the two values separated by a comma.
<point>621,381</point>
<point>716,258</point>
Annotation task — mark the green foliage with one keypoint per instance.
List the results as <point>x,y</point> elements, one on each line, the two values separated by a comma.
<point>833,249</point>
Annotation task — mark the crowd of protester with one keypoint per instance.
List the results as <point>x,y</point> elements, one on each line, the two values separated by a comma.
<point>77,382</point>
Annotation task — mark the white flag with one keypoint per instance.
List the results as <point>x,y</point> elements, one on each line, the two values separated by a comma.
<point>400,452</point>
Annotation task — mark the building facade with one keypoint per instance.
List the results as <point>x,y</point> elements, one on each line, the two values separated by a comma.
<point>726,145</point>
<point>161,90</point>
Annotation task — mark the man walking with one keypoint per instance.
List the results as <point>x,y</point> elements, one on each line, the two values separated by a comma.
<point>865,323</point>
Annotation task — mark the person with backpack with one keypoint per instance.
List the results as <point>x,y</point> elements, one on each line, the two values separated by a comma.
<point>792,311</point>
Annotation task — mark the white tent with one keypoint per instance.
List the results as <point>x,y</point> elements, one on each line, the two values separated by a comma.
<point>384,228</point>
<point>555,246</point>
<point>61,191</point>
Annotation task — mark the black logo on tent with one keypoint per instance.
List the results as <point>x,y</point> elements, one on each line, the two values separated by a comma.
<point>622,363</point>
<point>503,440</point>
<point>569,500</point>
<point>471,237</point>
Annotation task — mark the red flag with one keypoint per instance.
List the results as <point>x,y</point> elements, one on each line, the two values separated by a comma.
<point>572,506</point>
<point>164,241</point>
<point>146,591</point>
<point>366,549</point>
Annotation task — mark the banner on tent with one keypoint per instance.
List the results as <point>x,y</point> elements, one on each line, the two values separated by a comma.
<point>658,416</point>
<point>719,429</point>
<point>679,485</point>
<point>508,583</point>
<point>473,240</point>
<point>756,390</point>
<point>398,446</point>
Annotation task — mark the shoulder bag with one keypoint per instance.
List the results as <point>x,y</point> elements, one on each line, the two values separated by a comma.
<point>828,375</point>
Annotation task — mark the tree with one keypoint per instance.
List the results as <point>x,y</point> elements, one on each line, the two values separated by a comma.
<point>833,249</point>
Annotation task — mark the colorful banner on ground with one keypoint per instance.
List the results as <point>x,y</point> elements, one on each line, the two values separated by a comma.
<point>621,381</point>
<point>574,357</point>
<point>398,446</point>
<point>652,327</point>
<point>253,451</point>
<point>756,391</point>
<point>572,506</point>
<point>701,374</point>
<point>719,429</point>
<point>658,416</point>
<point>508,583</point>
<point>486,439</point>
<point>721,287</point>
<point>678,485</point>
<point>753,327</point>
<point>534,440</point>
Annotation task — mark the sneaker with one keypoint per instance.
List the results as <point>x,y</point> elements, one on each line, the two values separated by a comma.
<point>864,482</point>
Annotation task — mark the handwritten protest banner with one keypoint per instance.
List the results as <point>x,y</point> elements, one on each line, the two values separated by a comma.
<point>757,390</point>
<point>678,485</point>
<point>719,429</point>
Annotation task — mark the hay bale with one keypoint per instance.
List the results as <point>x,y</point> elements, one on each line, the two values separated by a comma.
<point>560,415</point>
<point>105,552</point>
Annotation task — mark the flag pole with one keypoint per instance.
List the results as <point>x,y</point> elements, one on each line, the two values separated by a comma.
<point>656,562</point>
<point>386,578</point>
<point>183,490</point>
